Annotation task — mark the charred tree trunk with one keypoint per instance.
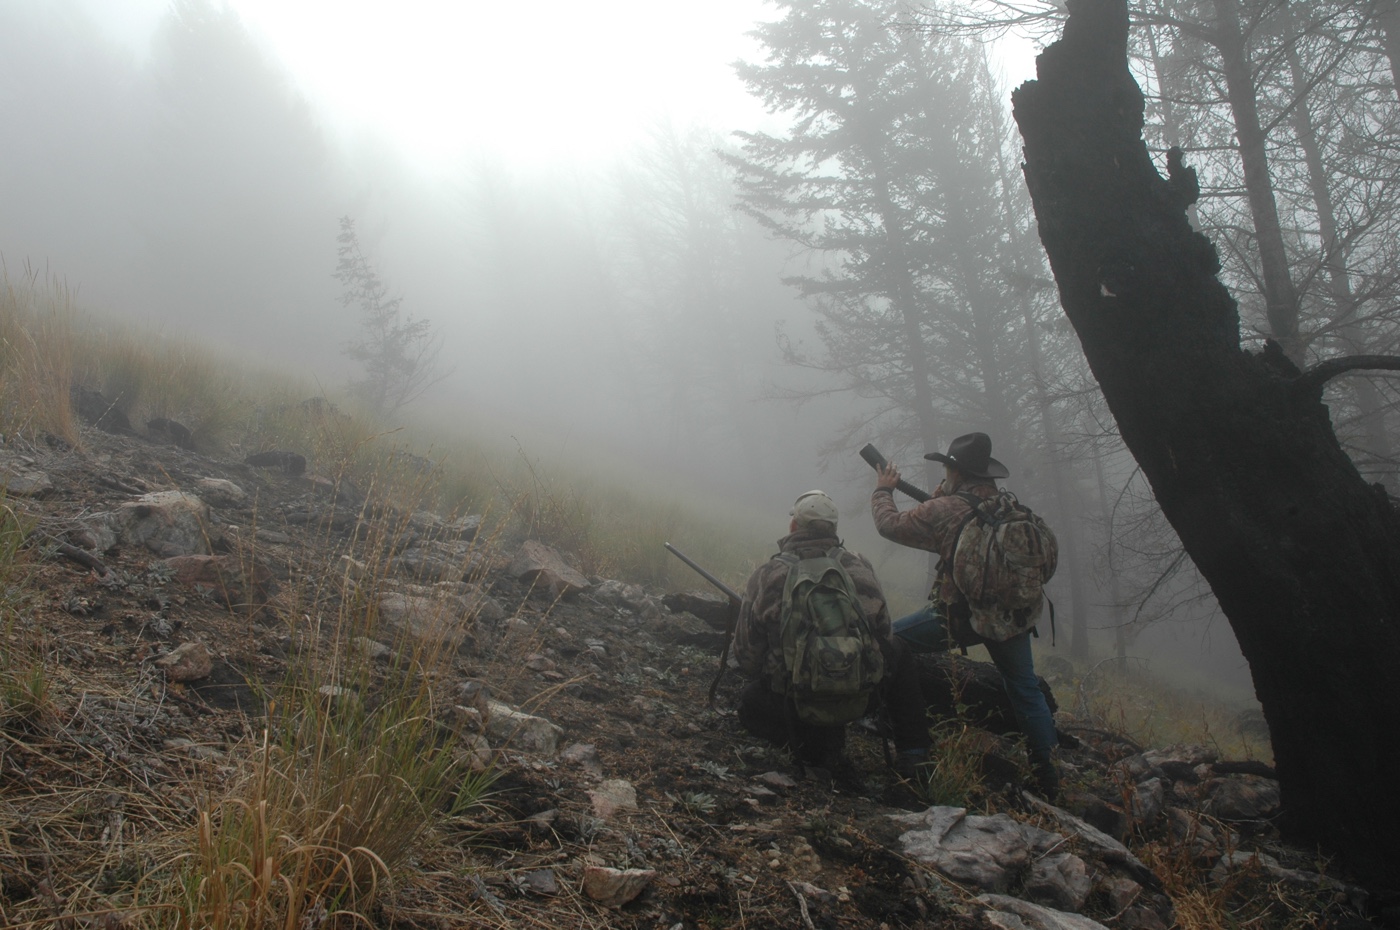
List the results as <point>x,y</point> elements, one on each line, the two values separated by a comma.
<point>1302,554</point>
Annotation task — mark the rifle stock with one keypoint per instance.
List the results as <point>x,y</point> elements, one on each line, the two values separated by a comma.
<point>874,459</point>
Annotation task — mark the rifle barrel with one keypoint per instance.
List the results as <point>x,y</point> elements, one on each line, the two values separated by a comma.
<point>733,595</point>
<point>874,459</point>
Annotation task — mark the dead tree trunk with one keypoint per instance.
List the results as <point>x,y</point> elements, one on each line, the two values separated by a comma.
<point>1302,554</point>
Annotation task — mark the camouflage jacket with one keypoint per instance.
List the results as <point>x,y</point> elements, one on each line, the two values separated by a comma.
<point>931,525</point>
<point>934,525</point>
<point>758,644</point>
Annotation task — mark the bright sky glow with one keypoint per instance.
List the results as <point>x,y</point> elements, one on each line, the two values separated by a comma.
<point>540,81</point>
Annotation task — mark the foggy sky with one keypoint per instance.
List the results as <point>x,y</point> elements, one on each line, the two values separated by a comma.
<point>190,183</point>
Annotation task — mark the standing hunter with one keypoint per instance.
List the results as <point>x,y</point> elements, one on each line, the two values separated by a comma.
<point>1002,618</point>
<point>813,636</point>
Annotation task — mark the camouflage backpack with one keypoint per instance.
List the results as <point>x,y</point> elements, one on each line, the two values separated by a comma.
<point>832,659</point>
<point>1005,554</point>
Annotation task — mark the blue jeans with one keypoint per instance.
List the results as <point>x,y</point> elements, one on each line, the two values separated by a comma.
<point>925,631</point>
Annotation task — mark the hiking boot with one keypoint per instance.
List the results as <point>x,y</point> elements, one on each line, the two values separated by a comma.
<point>1047,777</point>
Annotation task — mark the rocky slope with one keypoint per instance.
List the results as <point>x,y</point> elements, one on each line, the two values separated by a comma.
<point>166,592</point>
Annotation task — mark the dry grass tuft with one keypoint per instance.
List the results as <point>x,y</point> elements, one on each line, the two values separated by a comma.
<point>1132,701</point>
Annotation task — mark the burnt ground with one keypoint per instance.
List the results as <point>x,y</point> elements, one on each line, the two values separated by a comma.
<point>737,834</point>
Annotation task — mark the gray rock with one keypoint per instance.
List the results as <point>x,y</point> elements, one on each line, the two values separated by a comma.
<point>776,780</point>
<point>186,662</point>
<point>1188,826</point>
<point>371,648</point>
<point>1015,914</point>
<point>629,597</point>
<point>541,881</point>
<point>611,796</point>
<point>463,527</point>
<point>1120,891</point>
<point>438,561</point>
<point>987,852</point>
<point>1178,763</point>
<point>1061,881</point>
<point>1149,797</point>
<point>1246,797</point>
<point>521,732</point>
<point>585,756</point>
<point>537,563</point>
<point>220,492</point>
<point>615,887</point>
<point>168,523</point>
<point>19,478</point>
<point>536,662</point>
<point>1269,867</point>
<point>437,617</point>
<point>713,609</point>
<point>1098,843</point>
<point>476,752</point>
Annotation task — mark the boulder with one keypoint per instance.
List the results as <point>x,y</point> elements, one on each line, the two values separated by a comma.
<point>186,662</point>
<point>437,561</point>
<point>233,581</point>
<point>1241,799</point>
<point>986,852</point>
<point>1015,914</point>
<point>220,492</point>
<point>541,566</point>
<point>1272,871</point>
<point>1099,844</point>
<point>521,732</point>
<point>1061,880</point>
<point>20,478</point>
<point>1149,797</point>
<point>442,621</point>
<point>168,523</point>
<point>93,407</point>
<point>713,609</point>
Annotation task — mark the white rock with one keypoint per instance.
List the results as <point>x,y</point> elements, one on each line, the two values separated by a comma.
<point>1014,914</point>
<point>615,887</point>
<point>539,563</point>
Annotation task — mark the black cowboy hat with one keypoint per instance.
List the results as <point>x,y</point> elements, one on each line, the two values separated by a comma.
<point>972,455</point>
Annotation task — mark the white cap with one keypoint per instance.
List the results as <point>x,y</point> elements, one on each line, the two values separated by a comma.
<point>814,507</point>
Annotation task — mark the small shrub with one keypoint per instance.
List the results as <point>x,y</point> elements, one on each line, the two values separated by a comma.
<point>953,775</point>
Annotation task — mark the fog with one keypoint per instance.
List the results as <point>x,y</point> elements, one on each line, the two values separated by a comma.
<point>547,193</point>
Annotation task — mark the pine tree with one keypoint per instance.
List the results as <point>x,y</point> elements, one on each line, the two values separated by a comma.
<point>397,353</point>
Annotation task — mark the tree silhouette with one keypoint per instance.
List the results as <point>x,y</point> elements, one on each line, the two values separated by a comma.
<point>398,353</point>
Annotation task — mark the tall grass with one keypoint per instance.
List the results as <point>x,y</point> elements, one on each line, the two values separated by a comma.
<point>356,765</point>
<point>36,357</point>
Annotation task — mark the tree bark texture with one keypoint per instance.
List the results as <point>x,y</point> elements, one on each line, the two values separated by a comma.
<point>1303,555</point>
